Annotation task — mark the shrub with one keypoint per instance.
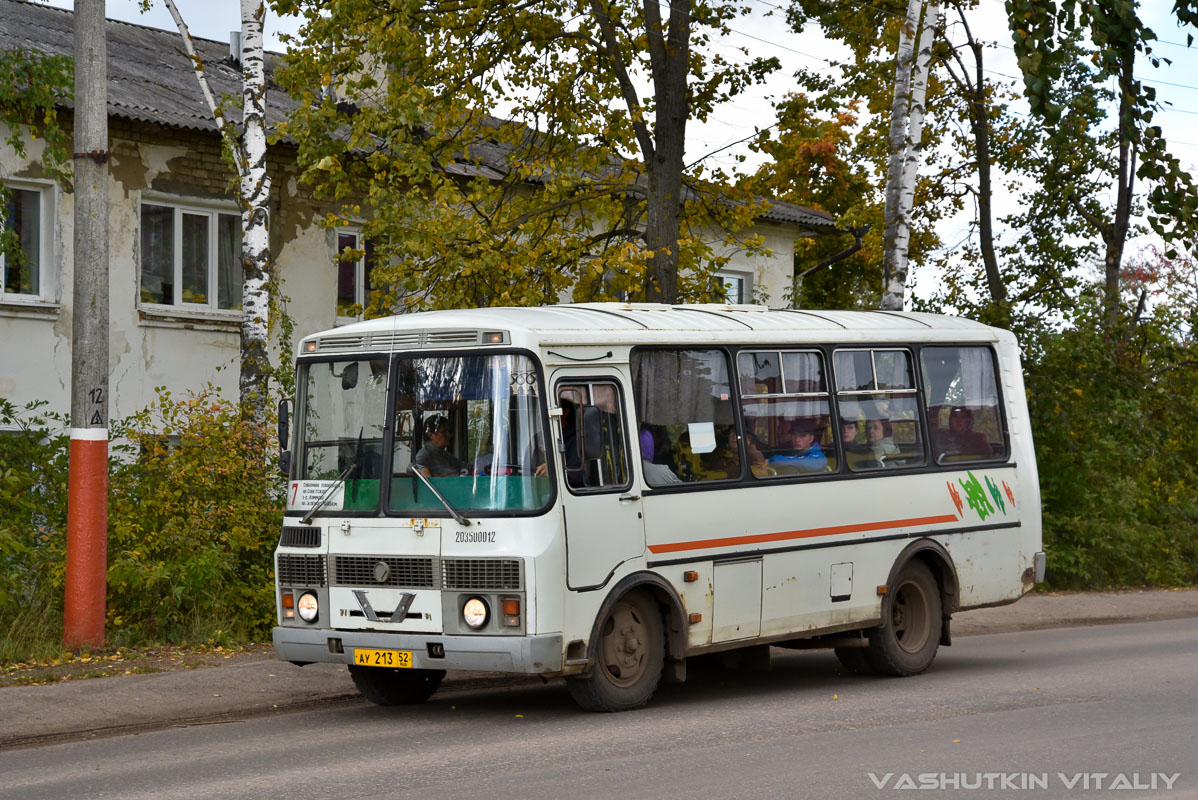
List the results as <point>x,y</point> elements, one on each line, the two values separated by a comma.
<point>195,506</point>
<point>1115,422</point>
<point>33,516</point>
<point>195,509</point>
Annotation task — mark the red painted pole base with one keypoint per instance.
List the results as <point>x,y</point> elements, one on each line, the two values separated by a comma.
<point>87,539</point>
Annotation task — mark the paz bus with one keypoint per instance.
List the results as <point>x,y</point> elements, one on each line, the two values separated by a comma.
<point>601,491</point>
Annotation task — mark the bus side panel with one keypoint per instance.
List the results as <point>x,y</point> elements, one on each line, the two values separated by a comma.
<point>798,586</point>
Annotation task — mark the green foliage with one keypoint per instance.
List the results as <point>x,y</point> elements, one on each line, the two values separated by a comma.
<point>397,117</point>
<point>193,520</point>
<point>813,162</point>
<point>1116,425</point>
<point>1041,31</point>
<point>33,505</point>
<point>195,506</point>
<point>32,86</point>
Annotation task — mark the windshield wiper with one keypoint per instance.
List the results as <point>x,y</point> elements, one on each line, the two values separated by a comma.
<point>353,465</point>
<point>457,515</point>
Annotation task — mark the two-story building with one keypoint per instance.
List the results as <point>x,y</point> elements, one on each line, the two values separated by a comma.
<point>174,231</point>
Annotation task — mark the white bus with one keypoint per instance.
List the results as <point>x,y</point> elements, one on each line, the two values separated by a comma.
<point>601,491</point>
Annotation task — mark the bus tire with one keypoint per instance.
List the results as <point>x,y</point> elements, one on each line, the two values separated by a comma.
<point>629,655</point>
<point>396,687</point>
<point>906,642</point>
<point>854,660</point>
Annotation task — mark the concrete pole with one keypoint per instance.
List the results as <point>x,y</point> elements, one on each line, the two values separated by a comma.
<point>87,501</point>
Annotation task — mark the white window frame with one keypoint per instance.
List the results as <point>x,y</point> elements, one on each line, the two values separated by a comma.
<point>746,284</point>
<point>47,257</point>
<point>198,207</point>
<point>359,273</point>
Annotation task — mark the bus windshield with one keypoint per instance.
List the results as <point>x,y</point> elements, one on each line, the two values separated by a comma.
<point>472,425</point>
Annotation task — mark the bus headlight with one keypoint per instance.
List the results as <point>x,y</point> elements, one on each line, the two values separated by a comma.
<point>308,607</point>
<point>475,612</point>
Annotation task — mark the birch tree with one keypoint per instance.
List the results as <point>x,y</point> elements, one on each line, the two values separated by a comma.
<point>905,144</point>
<point>247,152</point>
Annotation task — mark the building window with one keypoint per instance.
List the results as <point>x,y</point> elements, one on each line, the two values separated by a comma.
<point>25,250</point>
<point>355,261</point>
<point>190,257</point>
<point>736,287</point>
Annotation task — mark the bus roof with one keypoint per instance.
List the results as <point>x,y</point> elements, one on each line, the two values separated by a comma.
<point>644,323</point>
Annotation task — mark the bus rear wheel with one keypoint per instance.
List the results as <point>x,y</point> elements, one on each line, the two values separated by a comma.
<point>629,655</point>
<point>396,687</point>
<point>906,642</point>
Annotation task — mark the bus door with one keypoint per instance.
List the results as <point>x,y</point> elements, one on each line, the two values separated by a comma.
<point>603,520</point>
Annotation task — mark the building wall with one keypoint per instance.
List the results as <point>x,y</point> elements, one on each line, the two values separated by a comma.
<point>150,346</point>
<point>182,350</point>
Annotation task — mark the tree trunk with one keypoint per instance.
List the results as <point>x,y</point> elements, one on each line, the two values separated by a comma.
<point>913,150</point>
<point>979,122</point>
<point>1117,238</point>
<point>892,285</point>
<point>664,165</point>
<point>248,153</point>
<point>255,215</point>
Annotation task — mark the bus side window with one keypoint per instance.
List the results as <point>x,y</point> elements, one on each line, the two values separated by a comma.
<point>684,406</point>
<point>963,408</point>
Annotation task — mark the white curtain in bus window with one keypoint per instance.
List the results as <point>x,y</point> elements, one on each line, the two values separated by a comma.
<point>963,404</point>
<point>879,409</point>
<point>787,422</point>
<point>677,392</point>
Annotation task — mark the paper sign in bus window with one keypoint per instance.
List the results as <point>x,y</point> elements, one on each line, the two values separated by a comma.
<point>702,436</point>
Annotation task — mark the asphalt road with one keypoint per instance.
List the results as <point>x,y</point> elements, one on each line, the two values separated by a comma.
<point>1028,714</point>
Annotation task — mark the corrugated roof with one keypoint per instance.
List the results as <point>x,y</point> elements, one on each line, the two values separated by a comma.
<point>150,77</point>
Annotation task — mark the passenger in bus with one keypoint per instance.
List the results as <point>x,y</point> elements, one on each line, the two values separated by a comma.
<point>807,455</point>
<point>857,452</point>
<point>961,438</point>
<point>849,435</point>
<point>880,435</point>
<point>756,458</point>
<point>655,474</point>
<point>434,459</point>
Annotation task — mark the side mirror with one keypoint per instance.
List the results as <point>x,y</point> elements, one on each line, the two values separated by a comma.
<point>285,463</point>
<point>284,422</point>
<point>349,376</point>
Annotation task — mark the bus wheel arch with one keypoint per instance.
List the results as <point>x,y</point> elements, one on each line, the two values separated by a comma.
<point>937,559</point>
<point>638,624</point>
<point>915,611</point>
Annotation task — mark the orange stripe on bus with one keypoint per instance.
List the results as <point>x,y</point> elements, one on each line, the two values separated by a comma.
<point>831,530</point>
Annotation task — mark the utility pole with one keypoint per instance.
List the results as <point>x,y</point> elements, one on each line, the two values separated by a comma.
<point>87,500</point>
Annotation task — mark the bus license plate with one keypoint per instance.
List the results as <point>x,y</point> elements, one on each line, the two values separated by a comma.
<point>383,658</point>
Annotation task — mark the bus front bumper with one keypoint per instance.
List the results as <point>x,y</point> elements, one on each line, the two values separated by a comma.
<point>536,655</point>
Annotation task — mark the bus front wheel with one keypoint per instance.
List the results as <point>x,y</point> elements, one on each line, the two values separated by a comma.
<point>629,655</point>
<point>906,642</point>
<point>396,687</point>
